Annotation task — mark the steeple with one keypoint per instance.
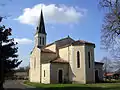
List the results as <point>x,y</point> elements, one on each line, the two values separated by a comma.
<point>41,25</point>
<point>40,35</point>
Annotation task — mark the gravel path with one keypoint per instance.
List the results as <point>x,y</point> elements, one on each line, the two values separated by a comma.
<point>17,85</point>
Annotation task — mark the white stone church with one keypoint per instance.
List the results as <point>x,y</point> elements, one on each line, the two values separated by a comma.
<point>63,61</point>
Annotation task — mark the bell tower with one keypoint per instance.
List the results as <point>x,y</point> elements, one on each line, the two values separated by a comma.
<point>40,35</point>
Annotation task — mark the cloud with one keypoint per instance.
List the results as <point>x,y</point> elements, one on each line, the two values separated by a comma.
<point>52,13</point>
<point>23,40</point>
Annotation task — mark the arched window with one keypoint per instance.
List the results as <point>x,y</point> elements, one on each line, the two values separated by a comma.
<point>89,59</point>
<point>34,63</point>
<point>40,40</point>
<point>43,41</point>
<point>78,59</point>
<point>44,73</point>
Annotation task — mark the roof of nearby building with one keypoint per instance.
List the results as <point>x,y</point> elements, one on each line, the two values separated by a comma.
<point>109,74</point>
<point>59,60</point>
<point>99,63</point>
<point>47,51</point>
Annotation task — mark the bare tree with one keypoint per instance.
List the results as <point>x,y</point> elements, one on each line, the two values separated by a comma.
<point>110,32</point>
<point>116,65</point>
<point>108,64</point>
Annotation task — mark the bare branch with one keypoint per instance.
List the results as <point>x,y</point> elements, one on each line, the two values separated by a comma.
<point>110,32</point>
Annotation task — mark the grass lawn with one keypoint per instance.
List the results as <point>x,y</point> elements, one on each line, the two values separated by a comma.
<point>100,86</point>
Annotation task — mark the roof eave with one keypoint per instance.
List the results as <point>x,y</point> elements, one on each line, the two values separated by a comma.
<point>60,62</point>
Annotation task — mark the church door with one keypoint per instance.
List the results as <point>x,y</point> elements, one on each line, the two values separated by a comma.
<point>96,76</point>
<point>60,76</point>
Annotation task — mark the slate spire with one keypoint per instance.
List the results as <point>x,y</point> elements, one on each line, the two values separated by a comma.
<point>41,25</point>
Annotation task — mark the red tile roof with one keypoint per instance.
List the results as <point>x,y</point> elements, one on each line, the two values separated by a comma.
<point>82,42</point>
<point>59,60</point>
<point>61,42</point>
<point>47,51</point>
<point>65,42</point>
<point>109,74</point>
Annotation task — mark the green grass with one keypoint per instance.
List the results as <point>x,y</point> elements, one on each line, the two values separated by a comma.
<point>100,86</point>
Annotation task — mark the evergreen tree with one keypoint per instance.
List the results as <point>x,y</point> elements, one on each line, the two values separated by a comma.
<point>8,53</point>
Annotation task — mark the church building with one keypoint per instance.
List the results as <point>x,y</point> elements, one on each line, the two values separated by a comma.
<point>63,61</point>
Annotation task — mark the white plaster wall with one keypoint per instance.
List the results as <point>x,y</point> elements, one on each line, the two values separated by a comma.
<point>42,35</point>
<point>37,39</point>
<point>52,47</point>
<point>54,67</point>
<point>63,53</point>
<point>90,74</point>
<point>77,75</point>
<point>46,79</point>
<point>35,71</point>
<point>47,57</point>
<point>99,67</point>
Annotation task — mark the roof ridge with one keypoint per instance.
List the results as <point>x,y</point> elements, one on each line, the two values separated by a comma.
<point>84,41</point>
<point>58,41</point>
<point>47,50</point>
<point>59,60</point>
<point>63,38</point>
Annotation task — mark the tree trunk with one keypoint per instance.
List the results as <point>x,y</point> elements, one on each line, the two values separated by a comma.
<point>1,70</point>
<point>1,85</point>
<point>2,74</point>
